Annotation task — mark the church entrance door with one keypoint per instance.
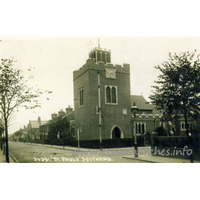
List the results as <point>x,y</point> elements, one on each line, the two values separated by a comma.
<point>116,133</point>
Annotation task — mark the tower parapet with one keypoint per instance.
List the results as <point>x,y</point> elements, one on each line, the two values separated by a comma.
<point>100,54</point>
<point>100,65</point>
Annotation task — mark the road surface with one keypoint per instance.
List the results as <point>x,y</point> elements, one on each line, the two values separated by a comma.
<point>37,153</point>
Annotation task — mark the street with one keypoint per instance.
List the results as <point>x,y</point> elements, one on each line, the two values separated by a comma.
<point>37,153</point>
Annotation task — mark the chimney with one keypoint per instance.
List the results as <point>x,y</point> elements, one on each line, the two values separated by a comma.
<point>39,120</point>
<point>61,113</point>
<point>69,109</point>
<point>54,116</point>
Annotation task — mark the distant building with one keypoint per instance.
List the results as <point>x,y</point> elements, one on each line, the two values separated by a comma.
<point>33,128</point>
<point>64,129</point>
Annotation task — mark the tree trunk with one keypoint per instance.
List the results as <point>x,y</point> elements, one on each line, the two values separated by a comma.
<point>6,131</point>
<point>189,138</point>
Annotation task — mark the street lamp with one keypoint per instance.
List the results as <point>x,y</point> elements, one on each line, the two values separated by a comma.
<point>134,110</point>
<point>155,124</point>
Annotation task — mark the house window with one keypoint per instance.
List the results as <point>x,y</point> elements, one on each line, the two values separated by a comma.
<point>111,94</point>
<point>81,97</point>
<point>183,126</point>
<point>162,124</point>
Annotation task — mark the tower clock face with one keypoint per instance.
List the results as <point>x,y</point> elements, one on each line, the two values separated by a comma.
<point>111,73</point>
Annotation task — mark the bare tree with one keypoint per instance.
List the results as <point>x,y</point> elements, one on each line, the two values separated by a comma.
<point>14,93</point>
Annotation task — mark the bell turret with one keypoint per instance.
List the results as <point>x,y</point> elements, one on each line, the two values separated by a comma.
<point>100,55</point>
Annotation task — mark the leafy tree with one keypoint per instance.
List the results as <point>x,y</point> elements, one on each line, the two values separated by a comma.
<point>178,87</point>
<point>14,93</point>
<point>60,125</point>
<point>18,134</point>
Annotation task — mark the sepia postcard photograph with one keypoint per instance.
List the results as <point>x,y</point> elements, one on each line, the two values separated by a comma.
<point>100,99</point>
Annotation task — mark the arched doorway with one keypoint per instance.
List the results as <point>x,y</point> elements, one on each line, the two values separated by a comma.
<point>116,133</point>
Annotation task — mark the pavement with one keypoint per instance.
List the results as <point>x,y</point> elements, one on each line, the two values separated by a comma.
<point>3,158</point>
<point>159,159</point>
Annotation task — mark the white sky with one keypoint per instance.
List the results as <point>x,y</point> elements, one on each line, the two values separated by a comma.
<point>55,59</point>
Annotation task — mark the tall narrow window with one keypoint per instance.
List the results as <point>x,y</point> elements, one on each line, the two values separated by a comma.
<point>80,94</point>
<point>108,99</point>
<point>142,128</point>
<point>113,95</point>
<point>81,97</point>
<point>139,128</point>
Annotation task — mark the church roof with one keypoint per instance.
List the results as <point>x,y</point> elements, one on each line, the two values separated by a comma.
<point>141,103</point>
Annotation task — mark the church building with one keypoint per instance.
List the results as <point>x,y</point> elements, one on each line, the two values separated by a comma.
<point>102,98</point>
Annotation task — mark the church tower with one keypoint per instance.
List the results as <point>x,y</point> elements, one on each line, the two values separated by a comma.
<point>102,98</point>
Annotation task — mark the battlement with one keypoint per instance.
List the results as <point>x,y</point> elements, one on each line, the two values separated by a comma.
<point>81,70</point>
<point>125,68</point>
<point>91,64</point>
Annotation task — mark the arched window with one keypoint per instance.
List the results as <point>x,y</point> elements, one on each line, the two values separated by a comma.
<point>108,96</point>
<point>113,95</point>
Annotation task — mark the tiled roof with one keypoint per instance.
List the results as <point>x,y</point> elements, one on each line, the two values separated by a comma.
<point>68,114</point>
<point>141,103</point>
<point>36,124</point>
<point>64,116</point>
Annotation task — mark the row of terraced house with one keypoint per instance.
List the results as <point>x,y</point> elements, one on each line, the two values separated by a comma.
<point>145,119</point>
